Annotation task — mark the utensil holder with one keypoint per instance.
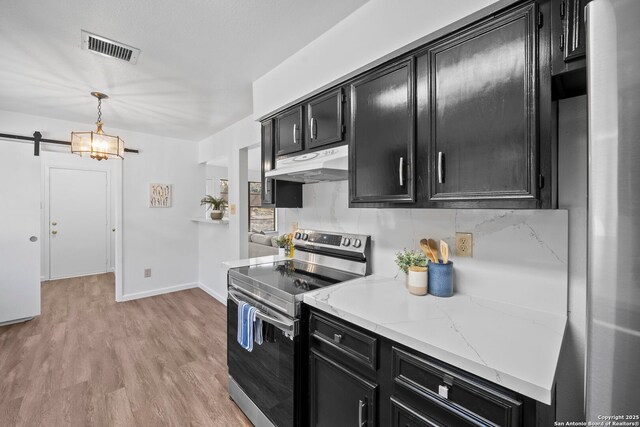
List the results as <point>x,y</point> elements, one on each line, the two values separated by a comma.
<point>417,280</point>
<point>440,279</point>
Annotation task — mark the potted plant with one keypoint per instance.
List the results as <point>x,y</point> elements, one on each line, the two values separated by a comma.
<point>216,205</point>
<point>406,259</point>
<point>283,243</point>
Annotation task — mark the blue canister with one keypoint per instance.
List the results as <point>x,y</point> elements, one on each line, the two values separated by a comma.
<point>440,279</point>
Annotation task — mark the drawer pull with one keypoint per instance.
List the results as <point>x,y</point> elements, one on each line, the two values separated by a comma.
<point>362,420</point>
<point>337,338</point>
<point>443,391</point>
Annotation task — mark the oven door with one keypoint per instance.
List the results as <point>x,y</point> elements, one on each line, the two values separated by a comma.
<point>266,376</point>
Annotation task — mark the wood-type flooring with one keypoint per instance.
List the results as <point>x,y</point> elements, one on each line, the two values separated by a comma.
<point>89,361</point>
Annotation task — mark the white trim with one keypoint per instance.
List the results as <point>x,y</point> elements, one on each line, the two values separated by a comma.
<point>12,322</point>
<point>154,292</point>
<point>216,295</point>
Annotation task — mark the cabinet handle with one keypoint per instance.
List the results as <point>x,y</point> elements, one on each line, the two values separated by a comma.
<point>295,130</point>
<point>313,129</point>
<point>337,337</point>
<point>401,171</point>
<point>440,167</point>
<point>362,420</point>
<point>266,185</point>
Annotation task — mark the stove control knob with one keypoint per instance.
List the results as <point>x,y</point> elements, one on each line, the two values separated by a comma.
<point>346,241</point>
<point>305,236</point>
<point>297,235</point>
<point>357,243</point>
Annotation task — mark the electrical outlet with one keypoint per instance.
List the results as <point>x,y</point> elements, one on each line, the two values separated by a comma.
<point>147,272</point>
<point>232,209</point>
<point>464,244</point>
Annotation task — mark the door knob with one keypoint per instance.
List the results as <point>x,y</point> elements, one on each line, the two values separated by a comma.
<point>54,223</point>
<point>113,229</point>
<point>33,239</point>
<point>54,232</point>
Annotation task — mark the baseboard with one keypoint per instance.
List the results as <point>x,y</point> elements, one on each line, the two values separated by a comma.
<point>216,295</point>
<point>154,292</point>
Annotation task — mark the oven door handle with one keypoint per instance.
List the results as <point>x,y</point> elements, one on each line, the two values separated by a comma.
<point>289,327</point>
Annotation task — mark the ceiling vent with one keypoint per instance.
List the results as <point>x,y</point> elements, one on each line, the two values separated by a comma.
<point>111,48</point>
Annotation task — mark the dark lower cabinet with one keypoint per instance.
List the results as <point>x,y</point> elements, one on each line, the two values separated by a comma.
<point>339,396</point>
<point>381,150</point>
<point>325,119</point>
<point>289,131</point>
<point>405,388</point>
<point>481,118</point>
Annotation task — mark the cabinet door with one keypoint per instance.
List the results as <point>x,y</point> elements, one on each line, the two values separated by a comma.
<point>289,132</point>
<point>325,119</point>
<point>339,396</point>
<point>381,150</point>
<point>267,161</point>
<point>482,89</point>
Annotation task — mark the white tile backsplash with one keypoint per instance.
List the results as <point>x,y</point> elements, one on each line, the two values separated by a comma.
<point>519,256</point>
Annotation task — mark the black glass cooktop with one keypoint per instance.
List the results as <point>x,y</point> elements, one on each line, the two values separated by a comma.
<point>292,276</point>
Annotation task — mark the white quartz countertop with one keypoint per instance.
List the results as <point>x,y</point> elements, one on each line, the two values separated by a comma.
<point>509,345</point>
<point>254,261</point>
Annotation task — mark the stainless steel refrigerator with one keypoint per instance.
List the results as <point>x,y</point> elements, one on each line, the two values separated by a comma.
<point>613,341</point>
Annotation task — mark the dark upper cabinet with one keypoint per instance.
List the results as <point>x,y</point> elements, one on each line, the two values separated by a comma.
<point>325,119</point>
<point>275,193</point>
<point>267,161</point>
<point>568,47</point>
<point>479,116</point>
<point>381,148</point>
<point>289,131</point>
<point>339,396</point>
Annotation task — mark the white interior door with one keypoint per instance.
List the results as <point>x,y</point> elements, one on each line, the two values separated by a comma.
<point>19,232</point>
<point>78,222</point>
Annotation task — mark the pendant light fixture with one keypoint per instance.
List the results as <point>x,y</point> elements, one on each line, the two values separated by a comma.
<point>97,144</point>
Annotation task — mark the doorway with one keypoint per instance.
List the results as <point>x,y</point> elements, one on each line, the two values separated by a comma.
<point>78,222</point>
<point>78,213</point>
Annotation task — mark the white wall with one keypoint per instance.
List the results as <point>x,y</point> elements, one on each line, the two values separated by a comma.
<point>218,243</point>
<point>161,239</point>
<point>377,28</point>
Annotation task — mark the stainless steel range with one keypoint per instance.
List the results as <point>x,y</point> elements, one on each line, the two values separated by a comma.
<point>266,382</point>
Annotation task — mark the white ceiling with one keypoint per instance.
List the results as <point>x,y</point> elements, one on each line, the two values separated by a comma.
<point>193,77</point>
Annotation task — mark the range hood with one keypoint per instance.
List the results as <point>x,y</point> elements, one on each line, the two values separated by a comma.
<point>325,165</point>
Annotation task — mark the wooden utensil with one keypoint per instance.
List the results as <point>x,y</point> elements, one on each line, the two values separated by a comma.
<point>444,250</point>
<point>433,247</point>
<point>424,245</point>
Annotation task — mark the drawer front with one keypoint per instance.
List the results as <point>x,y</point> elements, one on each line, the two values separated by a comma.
<point>466,395</point>
<point>359,347</point>
<point>402,415</point>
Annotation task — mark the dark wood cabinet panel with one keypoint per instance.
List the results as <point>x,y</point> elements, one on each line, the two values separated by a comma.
<point>424,378</point>
<point>405,389</point>
<point>289,131</point>
<point>339,396</point>
<point>482,111</point>
<point>382,145</point>
<point>325,119</point>
<point>275,193</point>
<point>403,415</point>
<point>569,44</point>
<point>267,151</point>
